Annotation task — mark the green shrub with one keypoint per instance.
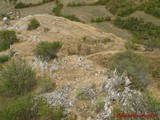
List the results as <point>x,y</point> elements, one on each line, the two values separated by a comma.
<point>99,105</point>
<point>17,78</point>
<point>21,5</point>
<point>79,92</point>
<point>34,24</point>
<point>134,65</point>
<point>116,110</point>
<point>46,1</point>
<point>19,109</point>
<point>57,9</point>
<point>121,7</point>
<point>156,70</point>
<point>102,2</point>
<point>7,37</point>
<point>48,49</point>
<point>131,46</point>
<point>72,18</point>
<point>151,7</point>
<point>48,113</point>
<point>30,108</point>
<point>4,58</point>
<point>73,4</point>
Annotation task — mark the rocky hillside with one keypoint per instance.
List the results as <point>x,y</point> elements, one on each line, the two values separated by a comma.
<point>85,86</point>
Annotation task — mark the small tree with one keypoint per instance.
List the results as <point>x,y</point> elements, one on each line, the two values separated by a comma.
<point>17,78</point>
<point>7,37</point>
<point>34,24</point>
<point>48,49</point>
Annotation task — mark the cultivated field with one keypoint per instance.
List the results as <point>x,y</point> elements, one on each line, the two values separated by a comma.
<point>42,9</point>
<point>110,28</point>
<point>146,17</point>
<point>85,13</point>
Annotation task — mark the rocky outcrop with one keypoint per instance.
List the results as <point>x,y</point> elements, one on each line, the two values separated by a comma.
<point>117,89</point>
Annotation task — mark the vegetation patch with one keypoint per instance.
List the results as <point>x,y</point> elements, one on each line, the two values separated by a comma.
<point>156,72</point>
<point>72,18</point>
<point>73,4</point>
<point>120,7</point>
<point>4,58</point>
<point>135,66</point>
<point>34,24</point>
<point>125,7</point>
<point>99,105</point>
<point>57,9</point>
<point>79,93</point>
<point>21,5</point>
<point>30,108</point>
<point>48,49</point>
<point>146,102</point>
<point>151,7</point>
<point>154,66</point>
<point>101,2</point>
<point>92,41</point>
<point>17,78</point>
<point>46,1</point>
<point>144,33</point>
<point>131,46</point>
<point>7,38</point>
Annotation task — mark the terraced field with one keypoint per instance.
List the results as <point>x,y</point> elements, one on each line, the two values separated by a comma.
<point>84,13</point>
<point>110,28</point>
<point>42,9</point>
<point>146,17</point>
<point>30,1</point>
<point>5,7</point>
<point>65,2</point>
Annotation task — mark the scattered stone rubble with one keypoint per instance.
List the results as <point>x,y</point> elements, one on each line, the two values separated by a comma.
<point>59,97</point>
<point>62,96</point>
<point>111,83</point>
<point>88,92</point>
<point>60,64</point>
